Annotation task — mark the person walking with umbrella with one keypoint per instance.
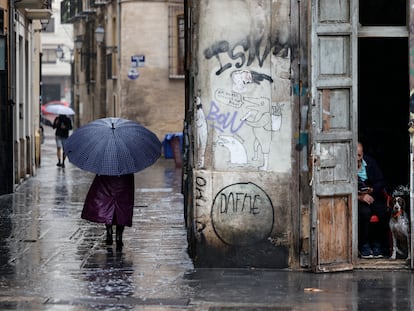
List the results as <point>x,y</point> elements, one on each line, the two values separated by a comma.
<point>113,149</point>
<point>63,125</point>
<point>110,200</point>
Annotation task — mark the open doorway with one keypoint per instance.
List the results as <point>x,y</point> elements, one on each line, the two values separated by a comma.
<point>383,105</point>
<point>383,88</point>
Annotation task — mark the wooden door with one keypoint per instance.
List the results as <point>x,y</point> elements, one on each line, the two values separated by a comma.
<point>333,134</point>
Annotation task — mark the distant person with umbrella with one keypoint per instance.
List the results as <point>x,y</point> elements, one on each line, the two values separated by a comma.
<point>113,149</point>
<point>63,125</point>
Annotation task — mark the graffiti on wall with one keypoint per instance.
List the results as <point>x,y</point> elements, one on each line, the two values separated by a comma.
<point>202,132</point>
<point>257,113</point>
<point>240,59</point>
<point>242,214</point>
<point>411,122</point>
<point>245,119</point>
<point>200,200</point>
<point>245,111</point>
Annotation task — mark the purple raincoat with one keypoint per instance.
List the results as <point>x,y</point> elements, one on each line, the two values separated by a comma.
<point>110,200</point>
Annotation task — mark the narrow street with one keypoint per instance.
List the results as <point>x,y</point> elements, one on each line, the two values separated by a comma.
<point>51,259</point>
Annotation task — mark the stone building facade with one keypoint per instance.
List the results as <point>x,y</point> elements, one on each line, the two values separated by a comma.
<point>279,93</point>
<point>20,66</point>
<point>136,72</point>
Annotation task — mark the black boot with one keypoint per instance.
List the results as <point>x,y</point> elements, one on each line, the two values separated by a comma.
<point>118,237</point>
<point>109,232</point>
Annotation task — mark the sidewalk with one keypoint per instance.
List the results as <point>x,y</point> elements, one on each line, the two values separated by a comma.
<point>51,259</point>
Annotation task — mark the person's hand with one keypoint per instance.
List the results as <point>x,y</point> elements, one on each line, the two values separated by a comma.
<point>365,197</point>
<point>364,190</point>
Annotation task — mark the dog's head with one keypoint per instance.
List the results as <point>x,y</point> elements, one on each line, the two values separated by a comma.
<point>398,206</point>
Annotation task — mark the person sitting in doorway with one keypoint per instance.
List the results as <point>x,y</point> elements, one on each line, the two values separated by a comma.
<point>371,201</point>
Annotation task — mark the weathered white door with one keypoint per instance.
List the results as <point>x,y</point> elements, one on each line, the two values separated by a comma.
<point>334,133</point>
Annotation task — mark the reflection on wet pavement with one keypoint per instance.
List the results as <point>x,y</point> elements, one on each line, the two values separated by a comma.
<point>49,251</point>
<point>51,259</point>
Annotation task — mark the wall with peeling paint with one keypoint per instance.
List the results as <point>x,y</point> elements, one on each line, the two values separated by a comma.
<point>241,168</point>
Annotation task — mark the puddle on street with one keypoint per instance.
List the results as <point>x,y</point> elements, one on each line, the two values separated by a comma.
<point>50,256</point>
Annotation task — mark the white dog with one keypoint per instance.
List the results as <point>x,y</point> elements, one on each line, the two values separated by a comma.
<point>399,226</point>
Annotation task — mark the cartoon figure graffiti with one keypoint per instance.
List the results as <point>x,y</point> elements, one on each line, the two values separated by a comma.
<point>202,132</point>
<point>251,81</point>
<point>238,154</point>
<point>276,116</point>
<point>259,118</point>
<point>411,123</point>
<point>241,78</point>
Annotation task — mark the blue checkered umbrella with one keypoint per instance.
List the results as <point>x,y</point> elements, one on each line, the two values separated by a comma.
<point>112,146</point>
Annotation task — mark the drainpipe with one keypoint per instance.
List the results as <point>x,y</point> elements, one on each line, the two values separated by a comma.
<point>118,30</point>
<point>304,108</point>
<point>12,56</point>
<point>11,101</point>
<point>118,54</point>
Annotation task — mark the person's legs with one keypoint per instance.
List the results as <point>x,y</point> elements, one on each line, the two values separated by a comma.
<point>63,159</point>
<point>109,232</point>
<point>118,236</point>
<point>59,147</point>
<point>380,239</point>
<point>58,156</point>
<point>364,216</point>
<point>63,152</point>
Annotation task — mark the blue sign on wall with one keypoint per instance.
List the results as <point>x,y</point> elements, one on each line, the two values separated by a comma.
<point>137,61</point>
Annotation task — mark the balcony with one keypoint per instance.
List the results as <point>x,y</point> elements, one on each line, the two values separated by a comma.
<point>72,10</point>
<point>69,10</point>
<point>35,9</point>
<point>33,4</point>
<point>38,14</point>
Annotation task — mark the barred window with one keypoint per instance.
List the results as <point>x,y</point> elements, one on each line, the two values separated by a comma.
<point>176,41</point>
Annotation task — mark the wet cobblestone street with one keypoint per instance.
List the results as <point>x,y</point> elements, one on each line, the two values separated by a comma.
<point>51,259</point>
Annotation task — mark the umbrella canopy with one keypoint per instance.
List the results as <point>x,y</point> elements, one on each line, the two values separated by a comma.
<point>54,102</point>
<point>59,109</point>
<point>112,146</point>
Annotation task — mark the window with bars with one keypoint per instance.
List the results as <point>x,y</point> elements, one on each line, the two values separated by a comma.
<point>176,42</point>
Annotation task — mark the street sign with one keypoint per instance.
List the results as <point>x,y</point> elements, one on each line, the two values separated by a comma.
<point>133,74</point>
<point>137,61</point>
